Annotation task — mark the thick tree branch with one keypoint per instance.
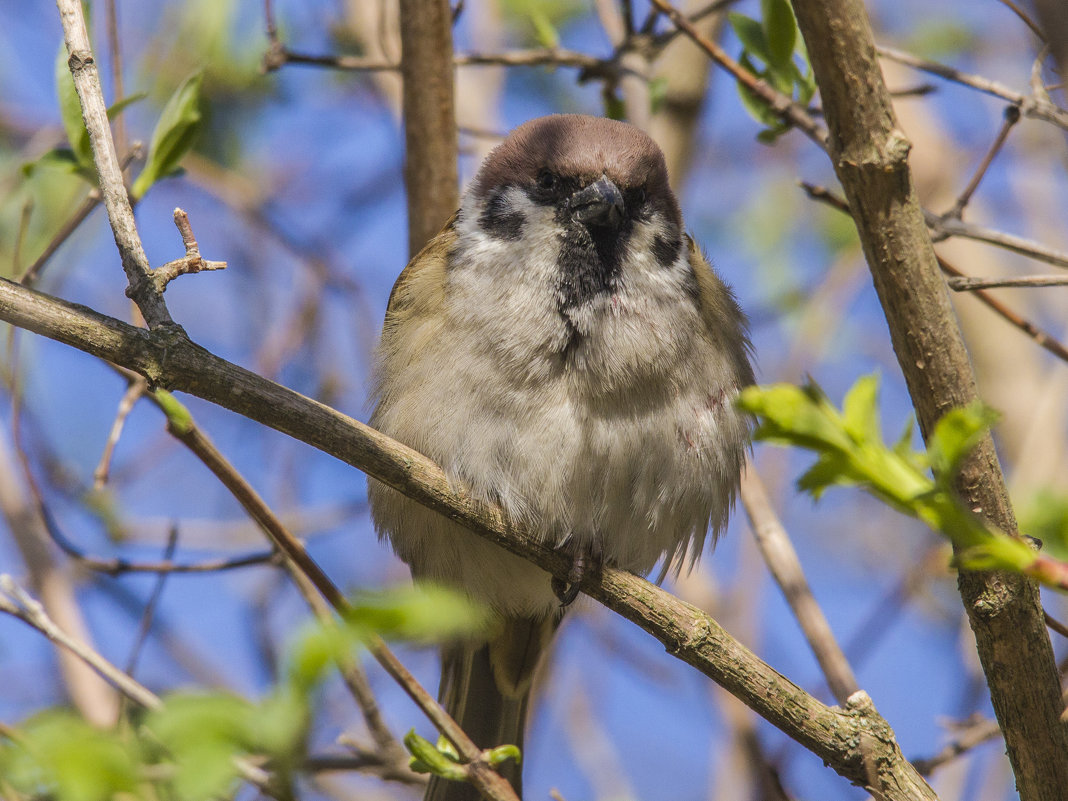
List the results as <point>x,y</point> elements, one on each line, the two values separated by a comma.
<point>850,740</point>
<point>870,156</point>
<point>430,136</point>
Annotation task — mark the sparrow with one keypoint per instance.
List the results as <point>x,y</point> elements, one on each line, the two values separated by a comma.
<point>564,351</point>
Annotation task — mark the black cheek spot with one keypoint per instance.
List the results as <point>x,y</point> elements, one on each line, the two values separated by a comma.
<point>499,221</point>
<point>666,249</point>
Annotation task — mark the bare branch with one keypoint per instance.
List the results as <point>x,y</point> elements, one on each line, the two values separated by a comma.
<point>141,289</point>
<point>964,284</point>
<point>1043,338</point>
<point>1029,106</point>
<point>976,734</point>
<point>782,561</point>
<point>16,602</point>
<point>129,399</point>
<point>191,262</point>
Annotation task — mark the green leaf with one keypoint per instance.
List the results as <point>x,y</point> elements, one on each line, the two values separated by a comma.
<point>770,135</point>
<point>59,754</point>
<point>544,30</point>
<point>116,108</point>
<point>174,135</point>
<point>805,81</point>
<point>203,733</point>
<point>70,110</point>
<point>426,613</point>
<point>794,415</point>
<point>751,34</point>
<point>756,106</point>
<point>829,470</point>
<point>780,31</point>
<point>60,158</point>
<point>955,434</point>
<point>781,78</point>
<point>860,410</point>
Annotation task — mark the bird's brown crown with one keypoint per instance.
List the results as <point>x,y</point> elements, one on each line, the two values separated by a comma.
<point>577,146</point>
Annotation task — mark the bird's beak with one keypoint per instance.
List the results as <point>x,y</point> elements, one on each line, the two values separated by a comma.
<point>600,203</point>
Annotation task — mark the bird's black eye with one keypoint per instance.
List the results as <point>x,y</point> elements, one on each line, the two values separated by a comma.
<point>548,181</point>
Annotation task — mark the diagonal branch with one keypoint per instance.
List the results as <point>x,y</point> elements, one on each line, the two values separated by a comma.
<point>855,741</point>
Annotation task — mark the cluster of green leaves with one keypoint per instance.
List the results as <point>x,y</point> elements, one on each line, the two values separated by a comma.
<point>776,44</point>
<point>851,451</point>
<point>194,745</point>
<point>175,132</point>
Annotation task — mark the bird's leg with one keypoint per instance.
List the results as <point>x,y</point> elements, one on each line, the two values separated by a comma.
<point>586,560</point>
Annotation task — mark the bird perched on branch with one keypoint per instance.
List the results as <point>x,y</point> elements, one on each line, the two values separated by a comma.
<point>563,350</point>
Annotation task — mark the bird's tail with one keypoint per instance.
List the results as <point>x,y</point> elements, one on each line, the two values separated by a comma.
<point>486,689</point>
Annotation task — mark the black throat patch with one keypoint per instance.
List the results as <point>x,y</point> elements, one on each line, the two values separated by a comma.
<point>590,262</point>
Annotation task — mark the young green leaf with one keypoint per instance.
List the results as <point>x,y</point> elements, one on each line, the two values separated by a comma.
<point>174,135</point>
<point>780,31</point>
<point>428,759</point>
<point>955,434</point>
<point>860,410</point>
<point>502,753</point>
<point>751,34</point>
<point>58,754</point>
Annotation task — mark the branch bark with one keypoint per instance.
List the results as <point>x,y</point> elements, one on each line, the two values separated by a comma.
<point>856,741</point>
<point>430,136</point>
<point>141,289</point>
<point>870,156</point>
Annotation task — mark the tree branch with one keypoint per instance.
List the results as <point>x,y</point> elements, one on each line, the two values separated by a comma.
<point>141,289</point>
<point>430,136</point>
<point>870,156</point>
<point>166,357</point>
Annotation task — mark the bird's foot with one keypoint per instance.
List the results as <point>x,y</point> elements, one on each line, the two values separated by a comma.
<point>584,562</point>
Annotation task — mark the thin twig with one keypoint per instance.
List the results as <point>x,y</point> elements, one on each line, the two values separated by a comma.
<point>111,14</point>
<point>1017,244</point>
<point>129,399</point>
<point>145,626</point>
<point>1055,624</point>
<point>308,573</point>
<point>89,202</point>
<point>1029,105</point>
<point>15,601</point>
<point>971,284</point>
<point>1030,23</point>
<point>1040,336</point>
<point>974,735</point>
<point>191,262</point>
<point>781,558</point>
<point>1011,117</point>
<point>279,55</point>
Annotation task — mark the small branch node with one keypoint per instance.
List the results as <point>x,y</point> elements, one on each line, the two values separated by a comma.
<point>191,262</point>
